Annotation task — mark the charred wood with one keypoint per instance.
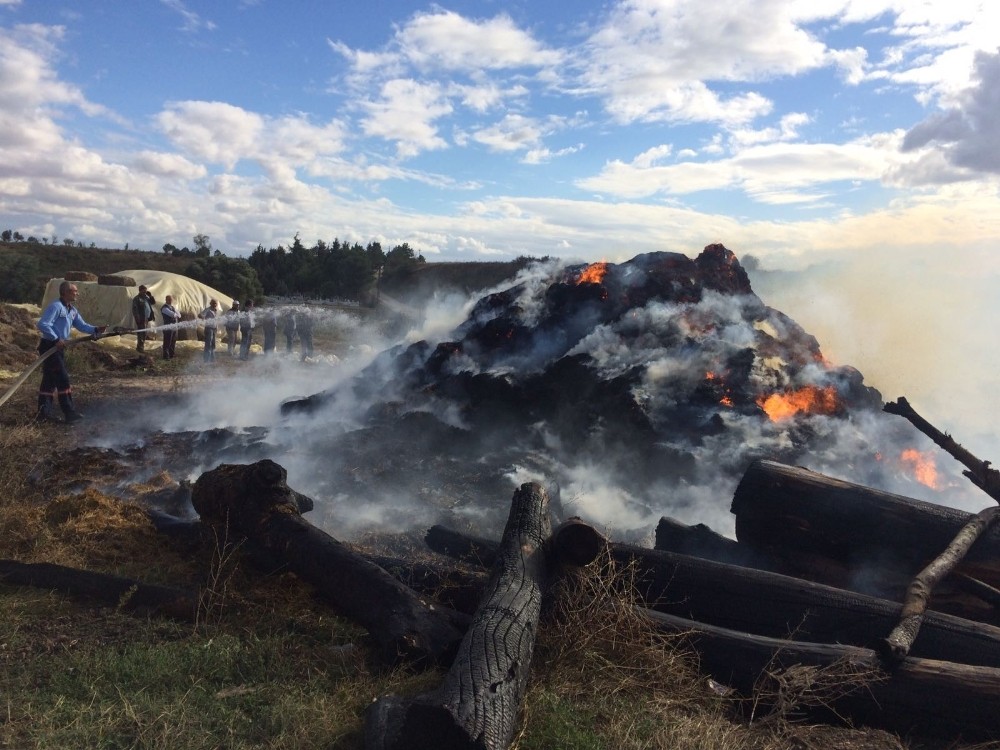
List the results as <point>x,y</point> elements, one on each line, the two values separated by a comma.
<point>254,501</point>
<point>977,470</point>
<point>577,543</point>
<point>478,704</point>
<point>779,606</point>
<point>957,595</point>
<point>701,541</point>
<point>785,511</point>
<point>453,587</point>
<point>111,590</point>
<point>455,544</point>
<point>926,696</point>
<point>900,640</point>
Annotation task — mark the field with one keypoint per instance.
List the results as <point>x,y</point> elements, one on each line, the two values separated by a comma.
<point>265,662</point>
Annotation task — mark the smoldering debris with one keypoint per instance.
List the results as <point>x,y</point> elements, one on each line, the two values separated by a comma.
<point>630,391</point>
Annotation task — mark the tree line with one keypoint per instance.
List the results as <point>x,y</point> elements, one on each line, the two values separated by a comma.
<point>334,270</point>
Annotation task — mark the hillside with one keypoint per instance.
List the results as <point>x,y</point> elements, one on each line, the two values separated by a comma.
<point>33,264</point>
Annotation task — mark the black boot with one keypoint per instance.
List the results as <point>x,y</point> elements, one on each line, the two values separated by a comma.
<point>69,411</point>
<point>46,412</point>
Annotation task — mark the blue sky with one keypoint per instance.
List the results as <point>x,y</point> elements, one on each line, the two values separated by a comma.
<point>852,147</point>
<point>478,130</point>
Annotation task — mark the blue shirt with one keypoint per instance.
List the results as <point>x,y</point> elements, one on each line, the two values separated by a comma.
<point>59,318</point>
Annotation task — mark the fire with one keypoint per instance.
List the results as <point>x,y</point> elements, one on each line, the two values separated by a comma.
<point>811,400</point>
<point>593,274</point>
<point>923,467</point>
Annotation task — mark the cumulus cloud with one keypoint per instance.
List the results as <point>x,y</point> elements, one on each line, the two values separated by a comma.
<point>224,134</point>
<point>444,39</point>
<point>651,59</point>
<point>405,113</point>
<point>758,170</point>
<point>967,135</point>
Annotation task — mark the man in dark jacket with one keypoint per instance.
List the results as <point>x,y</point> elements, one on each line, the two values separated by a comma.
<point>142,314</point>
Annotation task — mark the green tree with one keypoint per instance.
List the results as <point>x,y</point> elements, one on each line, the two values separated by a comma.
<point>6,235</point>
<point>19,282</point>
<point>202,245</point>
<point>233,276</point>
<point>169,249</point>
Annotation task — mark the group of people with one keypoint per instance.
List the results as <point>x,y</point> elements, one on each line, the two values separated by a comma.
<point>144,315</point>
<point>243,319</point>
<point>61,316</point>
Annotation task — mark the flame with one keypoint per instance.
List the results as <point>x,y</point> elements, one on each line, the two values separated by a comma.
<point>811,400</point>
<point>593,274</point>
<point>923,467</point>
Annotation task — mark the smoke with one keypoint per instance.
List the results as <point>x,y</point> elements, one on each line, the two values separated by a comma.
<point>920,324</point>
<point>393,449</point>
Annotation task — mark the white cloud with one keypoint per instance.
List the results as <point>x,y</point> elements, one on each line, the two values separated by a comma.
<point>192,21</point>
<point>168,165</point>
<point>405,114</point>
<point>967,135</point>
<point>652,58</point>
<point>445,40</point>
<point>224,134</point>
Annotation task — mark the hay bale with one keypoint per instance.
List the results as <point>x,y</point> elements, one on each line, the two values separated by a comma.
<point>110,279</point>
<point>79,276</point>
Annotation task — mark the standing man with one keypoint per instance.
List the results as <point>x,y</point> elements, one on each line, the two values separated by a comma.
<point>210,315</point>
<point>304,326</point>
<point>288,328</point>
<point>246,329</point>
<point>170,318</point>
<point>270,327</point>
<point>55,325</point>
<point>232,325</point>
<point>142,314</point>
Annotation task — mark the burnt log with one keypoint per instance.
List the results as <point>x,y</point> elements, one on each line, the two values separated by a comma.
<point>127,594</point>
<point>471,549</point>
<point>779,606</point>
<point>577,543</point>
<point>478,704</point>
<point>701,541</point>
<point>926,696</point>
<point>255,501</point>
<point>785,511</point>
<point>918,595</point>
<point>957,595</point>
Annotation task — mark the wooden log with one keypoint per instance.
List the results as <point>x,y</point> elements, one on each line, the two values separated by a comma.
<point>900,640</point>
<point>577,543</point>
<point>256,502</point>
<point>701,541</point>
<point>779,606</point>
<point>478,704</point>
<point>129,594</point>
<point>957,595</point>
<point>925,696</point>
<point>785,511</point>
<point>455,544</point>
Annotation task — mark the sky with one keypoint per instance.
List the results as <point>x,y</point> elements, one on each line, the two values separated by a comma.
<point>848,151</point>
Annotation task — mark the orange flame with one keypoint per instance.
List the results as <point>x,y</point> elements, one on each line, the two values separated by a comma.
<point>923,467</point>
<point>593,274</point>
<point>811,400</point>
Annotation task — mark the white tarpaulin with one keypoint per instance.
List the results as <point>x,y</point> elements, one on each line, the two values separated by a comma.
<point>105,304</point>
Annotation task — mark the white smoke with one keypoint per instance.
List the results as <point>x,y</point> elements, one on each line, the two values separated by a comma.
<point>676,345</point>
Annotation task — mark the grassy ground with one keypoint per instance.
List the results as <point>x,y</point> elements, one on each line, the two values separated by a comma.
<point>267,665</point>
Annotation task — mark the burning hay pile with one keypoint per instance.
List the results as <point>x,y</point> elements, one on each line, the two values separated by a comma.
<point>618,398</point>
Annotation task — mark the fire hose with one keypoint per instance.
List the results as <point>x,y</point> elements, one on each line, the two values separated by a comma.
<point>116,331</point>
